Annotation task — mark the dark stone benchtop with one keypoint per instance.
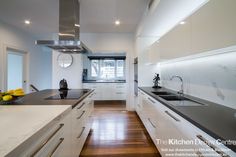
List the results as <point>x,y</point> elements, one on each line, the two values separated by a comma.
<point>214,119</point>
<point>39,98</point>
<point>104,81</point>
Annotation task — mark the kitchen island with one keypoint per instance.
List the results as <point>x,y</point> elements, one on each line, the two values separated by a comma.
<point>40,126</point>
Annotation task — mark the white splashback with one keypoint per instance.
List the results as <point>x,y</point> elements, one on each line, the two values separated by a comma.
<point>210,76</point>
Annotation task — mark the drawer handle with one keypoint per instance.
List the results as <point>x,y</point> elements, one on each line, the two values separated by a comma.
<point>80,134</point>
<point>119,93</point>
<point>47,140</point>
<point>151,123</point>
<point>81,115</point>
<point>81,106</point>
<point>151,100</point>
<point>120,87</point>
<point>172,116</point>
<point>217,150</point>
<point>54,149</point>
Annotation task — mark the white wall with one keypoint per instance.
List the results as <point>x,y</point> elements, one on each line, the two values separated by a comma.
<point>211,76</point>
<point>99,42</point>
<point>39,68</point>
<point>72,74</point>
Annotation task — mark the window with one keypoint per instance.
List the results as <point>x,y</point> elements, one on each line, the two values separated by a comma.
<point>120,68</point>
<point>94,68</point>
<point>108,68</point>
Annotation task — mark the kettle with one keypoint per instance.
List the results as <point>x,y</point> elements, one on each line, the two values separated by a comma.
<point>63,85</point>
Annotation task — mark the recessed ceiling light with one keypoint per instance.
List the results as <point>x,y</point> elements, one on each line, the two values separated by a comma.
<point>182,22</point>
<point>117,22</point>
<point>27,22</point>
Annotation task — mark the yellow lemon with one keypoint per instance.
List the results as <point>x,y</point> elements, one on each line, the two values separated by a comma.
<point>7,98</point>
<point>10,92</point>
<point>18,93</point>
<point>19,90</point>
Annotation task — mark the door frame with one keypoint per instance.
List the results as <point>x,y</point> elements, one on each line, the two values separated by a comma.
<point>25,67</point>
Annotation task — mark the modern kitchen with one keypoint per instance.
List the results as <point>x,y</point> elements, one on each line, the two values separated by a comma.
<point>112,78</point>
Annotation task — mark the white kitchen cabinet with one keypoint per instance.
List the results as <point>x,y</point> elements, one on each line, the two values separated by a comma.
<point>166,128</point>
<point>213,26</point>
<point>177,42</point>
<point>154,53</point>
<point>107,91</point>
<point>62,137</point>
<point>162,127</point>
<point>97,90</point>
<point>210,28</point>
<point>51,140</point>
<point>81,124</point>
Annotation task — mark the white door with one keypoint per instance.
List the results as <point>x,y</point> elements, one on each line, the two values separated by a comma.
<point>16,72</point>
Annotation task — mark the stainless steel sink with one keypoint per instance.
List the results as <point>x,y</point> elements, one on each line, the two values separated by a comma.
<point>173,97</point>
<point>177,100</point>
<point>186,103</point>
<point>162,93</point>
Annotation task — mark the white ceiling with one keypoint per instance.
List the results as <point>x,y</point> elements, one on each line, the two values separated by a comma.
<point>97,16</point>
<point>100,15</point>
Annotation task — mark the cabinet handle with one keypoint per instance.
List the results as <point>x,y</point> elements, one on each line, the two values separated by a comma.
<point>151,100</point>
<point>151,123</point>
<point>81,106</point>
<point>54,149</point>
<point>80,134</point>
<point>172,116</point>
<point>120,87</point>
<point>81,115</point>
<point>119,93</point>
<point>217,150</point>
<point>47,140</point>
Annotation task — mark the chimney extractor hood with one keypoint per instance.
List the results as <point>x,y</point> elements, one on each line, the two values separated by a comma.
<point>69,29</point>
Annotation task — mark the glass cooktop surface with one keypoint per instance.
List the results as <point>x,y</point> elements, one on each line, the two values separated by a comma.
<point>68,94</point>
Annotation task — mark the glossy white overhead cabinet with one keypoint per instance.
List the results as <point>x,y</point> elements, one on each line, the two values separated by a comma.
<point>211,27</point>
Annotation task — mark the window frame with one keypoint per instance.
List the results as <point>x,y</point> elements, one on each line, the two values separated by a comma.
<point>115,70</point>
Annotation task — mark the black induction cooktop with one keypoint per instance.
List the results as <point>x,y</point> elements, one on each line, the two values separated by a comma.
<point>68,94</point>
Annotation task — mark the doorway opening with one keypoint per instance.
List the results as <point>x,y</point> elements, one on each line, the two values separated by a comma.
<point>16,69</point>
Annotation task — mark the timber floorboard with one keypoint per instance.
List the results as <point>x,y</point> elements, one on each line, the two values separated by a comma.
<point>117,133</point>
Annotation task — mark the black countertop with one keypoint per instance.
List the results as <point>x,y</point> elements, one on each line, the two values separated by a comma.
<point>40,98</point>
<point>104,81</point>
<point>216,120</point>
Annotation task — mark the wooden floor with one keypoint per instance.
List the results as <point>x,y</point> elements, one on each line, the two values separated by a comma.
<point>117,133</point>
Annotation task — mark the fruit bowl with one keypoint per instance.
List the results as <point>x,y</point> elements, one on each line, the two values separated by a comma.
<point>12,101</point>
<point>11,96</point>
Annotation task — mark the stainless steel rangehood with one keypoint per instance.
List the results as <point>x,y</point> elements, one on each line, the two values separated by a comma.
<point>69,29</point>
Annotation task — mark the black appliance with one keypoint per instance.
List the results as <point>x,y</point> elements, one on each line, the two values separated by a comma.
<point>68,94</point>
<point>85,74</point>
<point>136,76</point>
<point>63,85</point>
